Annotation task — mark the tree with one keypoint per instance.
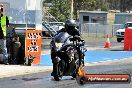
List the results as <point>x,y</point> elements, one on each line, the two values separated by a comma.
<point>122,5</point>
<point>46,1</point>
<point>89,5</point>
<point>129,5</point>
<point>60,9</point>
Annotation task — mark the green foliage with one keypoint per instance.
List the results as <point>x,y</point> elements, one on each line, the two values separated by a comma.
<point>89,5</point>
<point>47,1</point>
<point>61,8</point>
<point>122,5</point>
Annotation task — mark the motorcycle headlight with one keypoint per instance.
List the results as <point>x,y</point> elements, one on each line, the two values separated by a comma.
<point>58,45</point>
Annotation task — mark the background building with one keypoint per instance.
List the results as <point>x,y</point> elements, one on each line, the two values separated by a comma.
<point>93,17</point>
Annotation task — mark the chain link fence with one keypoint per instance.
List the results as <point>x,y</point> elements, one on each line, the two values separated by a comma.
<point>99,30</point>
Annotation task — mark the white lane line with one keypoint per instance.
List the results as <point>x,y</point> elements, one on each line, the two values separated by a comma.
<point>107,61</point>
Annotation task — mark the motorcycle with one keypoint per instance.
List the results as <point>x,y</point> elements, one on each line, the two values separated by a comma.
<point>67,54</point>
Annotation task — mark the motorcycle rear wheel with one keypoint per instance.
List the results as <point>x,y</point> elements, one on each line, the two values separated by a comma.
<point>76,57</point>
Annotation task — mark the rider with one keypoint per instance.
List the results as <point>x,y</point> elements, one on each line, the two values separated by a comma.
<point>70,28</point>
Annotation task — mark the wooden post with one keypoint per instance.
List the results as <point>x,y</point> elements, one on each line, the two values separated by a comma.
<point>71,9</point>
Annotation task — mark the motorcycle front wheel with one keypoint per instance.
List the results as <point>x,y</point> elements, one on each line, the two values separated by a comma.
<point>58,71</point>
<point>74,53</point>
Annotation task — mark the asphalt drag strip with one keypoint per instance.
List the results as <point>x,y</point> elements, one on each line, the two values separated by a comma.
<point>44,80</point>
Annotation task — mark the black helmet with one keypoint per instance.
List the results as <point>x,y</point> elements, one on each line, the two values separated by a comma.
<point>70,26</point>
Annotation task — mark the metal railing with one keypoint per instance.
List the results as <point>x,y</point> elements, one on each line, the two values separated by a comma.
<point>49,18</point>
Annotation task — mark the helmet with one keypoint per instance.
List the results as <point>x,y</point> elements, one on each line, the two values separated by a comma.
<point>70,26</point>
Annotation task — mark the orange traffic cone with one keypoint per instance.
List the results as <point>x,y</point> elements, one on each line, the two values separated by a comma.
<point>107,44</point>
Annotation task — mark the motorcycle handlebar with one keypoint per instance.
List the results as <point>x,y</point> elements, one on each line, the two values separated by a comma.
<point>75,38</point>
